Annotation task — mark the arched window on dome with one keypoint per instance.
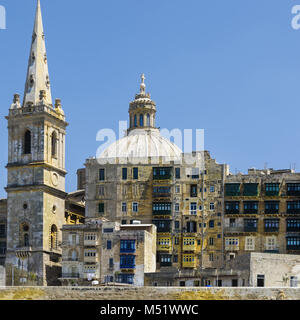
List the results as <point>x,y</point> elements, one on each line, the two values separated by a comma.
<point>135,121</point>
<point>27,142</point>
<point>141,120</point>
<point>148,120</point>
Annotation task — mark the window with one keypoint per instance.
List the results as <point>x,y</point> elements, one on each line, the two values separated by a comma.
<point>249,244</point>
<point>124,222</point>
<point>250,225</point>
<point>232,207</point>
<point>250,207</point>
<point>141,120</point>
<point>195,173</point>
<point>293,189</point>
<point>271,225</point>
<point>127,246</point>
<point>211,241</point>
<point>54,144</point>
<point>293,243</point>
<point>101,174</point>
<point>271,207</point>
<point>148,120</point>
<point>272,189</point>
<point>177,189</point>
<point>250,189</point>
<point>193,190</point>
<point>193,208</point>
<point>126,278</point>
<point>135,173</point>
<point>127,261</point>
<point>211,206</point>
<point>161,208</point>
<point>293,206</point>
<point>271,243</point>
<point>135,207</point>
<point>232,189</point>
<point>231,243</point>
<point>101,190</point>
<point>53,237</point>
<point>27,142</point>
<point>260,280</point>
<point>211,223</point>
<point>2,247</point>
<point>108,245</point>
<point>177,173</point>
<point>161,173</point>
<point>111,263</point>
<point>211,257</point>
<point>2,230</point>
<point>101,208</point>
<point>176,241</point>
<point>212,189</point>
<point>124,207</point>
<point>135,121</point>
<point>176,207</point>
<point>191,227</point>
<point>177,224</point>
<point>175,258</point>
<point>293,225</point>
<point>124,173</point>
<point>108,230</point>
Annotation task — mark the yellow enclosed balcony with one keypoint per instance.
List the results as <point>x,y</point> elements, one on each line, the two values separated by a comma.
<point>164,244</point>
<point>189,244</point>
<point>189,261</point>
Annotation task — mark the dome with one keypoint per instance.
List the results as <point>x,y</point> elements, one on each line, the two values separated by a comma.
<point>139,145</point>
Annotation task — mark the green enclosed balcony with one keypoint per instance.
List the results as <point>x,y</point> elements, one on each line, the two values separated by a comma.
<point>232,189</point>
<point>162,173</point>
<point>272,189</point>
<point>250,189</point>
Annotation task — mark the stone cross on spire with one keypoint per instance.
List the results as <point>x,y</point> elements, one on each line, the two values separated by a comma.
<point>37,79</point>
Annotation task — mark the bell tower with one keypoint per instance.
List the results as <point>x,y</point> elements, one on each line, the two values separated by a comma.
<point>36,170</point>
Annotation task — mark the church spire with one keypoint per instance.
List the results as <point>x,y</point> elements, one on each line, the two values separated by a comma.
<point>37,79</point>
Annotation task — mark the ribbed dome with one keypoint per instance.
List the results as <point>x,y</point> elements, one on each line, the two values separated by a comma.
<point>141,144</point>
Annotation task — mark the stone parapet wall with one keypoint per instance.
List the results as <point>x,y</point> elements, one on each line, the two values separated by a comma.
<point>147,293</point>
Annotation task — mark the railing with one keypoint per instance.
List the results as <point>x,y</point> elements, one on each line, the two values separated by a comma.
<point>271,211</point>
<point>165,264</point>
<point>250,211</point>
<point>127,250</point>
<point>70,259</point>
<point>161,194</point>
<point>234,229</point>
<point>70,275</point>
<point>292,229</point>
<point>271,229</point>
<point>250,229</point>
<point>127,266</point>
<point>232,211</point>
<point>293,211</point>
<point>161,212</point>
<point>2,250</point>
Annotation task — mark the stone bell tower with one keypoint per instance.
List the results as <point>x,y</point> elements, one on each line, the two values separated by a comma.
<point>36,170</point>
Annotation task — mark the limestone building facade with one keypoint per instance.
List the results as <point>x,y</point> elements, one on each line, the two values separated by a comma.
<point>108,252</point>
<point>262,212</point>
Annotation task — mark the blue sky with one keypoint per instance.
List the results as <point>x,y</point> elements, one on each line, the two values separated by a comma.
<point>230,67</point>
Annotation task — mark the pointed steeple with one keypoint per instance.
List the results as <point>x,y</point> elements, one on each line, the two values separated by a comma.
<point>37,79</point>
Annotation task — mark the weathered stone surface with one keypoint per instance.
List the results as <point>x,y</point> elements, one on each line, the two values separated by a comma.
<point>147,293</point>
